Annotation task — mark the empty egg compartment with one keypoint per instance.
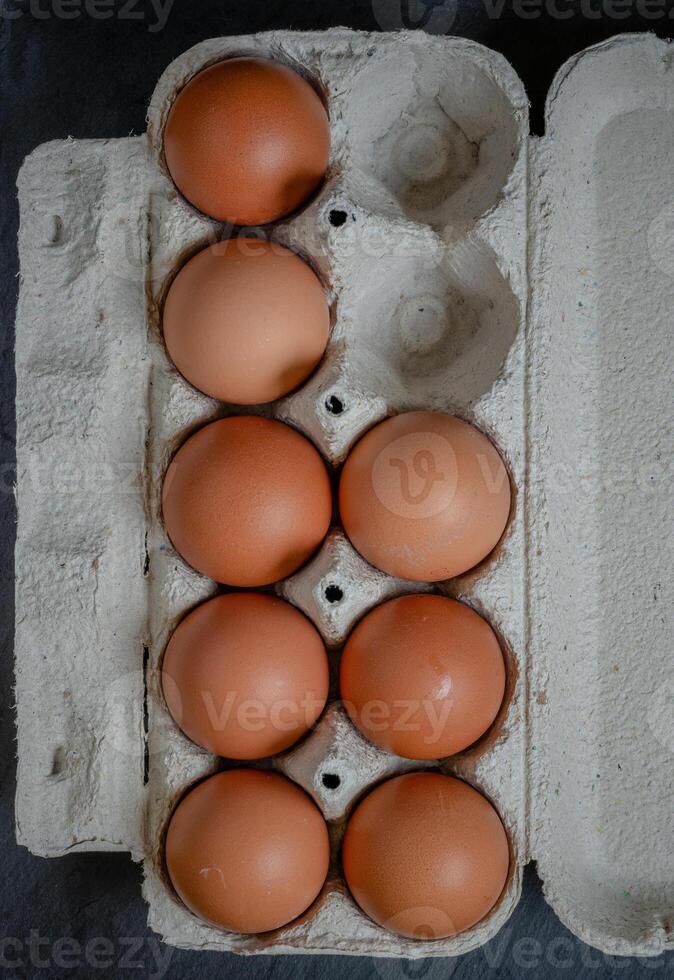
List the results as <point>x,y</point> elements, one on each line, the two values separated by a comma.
<point>434,131</point>
<point>427,314</point>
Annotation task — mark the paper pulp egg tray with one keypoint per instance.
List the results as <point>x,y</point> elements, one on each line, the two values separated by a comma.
<point>524,284</point>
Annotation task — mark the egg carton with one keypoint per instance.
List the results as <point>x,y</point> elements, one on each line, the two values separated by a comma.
<point>524,284</point>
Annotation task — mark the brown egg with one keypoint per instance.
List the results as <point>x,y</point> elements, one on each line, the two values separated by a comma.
<point>425,855</point>
<point>424,496</point>
<point>247,141</point>
<point>247,850</point>
<point>245,675</point>
<point>246,500</point>
<point>422,676</point>
<point>246,321</point>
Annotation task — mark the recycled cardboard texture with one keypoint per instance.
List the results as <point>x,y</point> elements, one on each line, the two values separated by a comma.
<point>545,286</point>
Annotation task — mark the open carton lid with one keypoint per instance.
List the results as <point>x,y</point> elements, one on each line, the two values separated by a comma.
<point>601,549</point>
<point>597,775</point>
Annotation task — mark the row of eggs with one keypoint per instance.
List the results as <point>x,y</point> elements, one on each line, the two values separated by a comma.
<point>422,496</point>
<point>424,855</point>
<point>248,500</point>
<point>245,675</point>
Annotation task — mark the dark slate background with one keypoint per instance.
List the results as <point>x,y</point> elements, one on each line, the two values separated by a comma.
<point>83,916</point>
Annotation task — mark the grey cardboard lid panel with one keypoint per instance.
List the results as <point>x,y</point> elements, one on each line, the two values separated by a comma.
<point>82,374</point>
<point>602,446</point>
<point>585,748</point>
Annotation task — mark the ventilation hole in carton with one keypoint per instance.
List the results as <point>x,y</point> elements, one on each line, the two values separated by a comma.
<point>331,780</point>
<point>333,594</point>
<point>337,217</point>
<point>334,405</point>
